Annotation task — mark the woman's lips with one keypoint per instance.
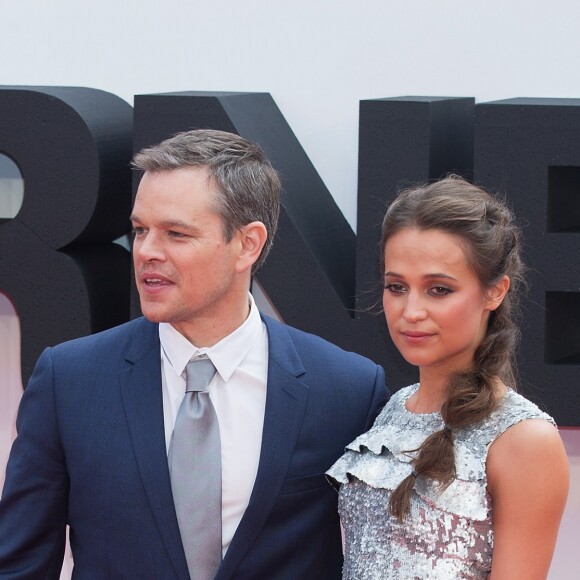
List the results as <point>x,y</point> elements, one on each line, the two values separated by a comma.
<point>415,336</point>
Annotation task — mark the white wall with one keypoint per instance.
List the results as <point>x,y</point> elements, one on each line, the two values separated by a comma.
<point>10,385</point>
<point>318,59</point>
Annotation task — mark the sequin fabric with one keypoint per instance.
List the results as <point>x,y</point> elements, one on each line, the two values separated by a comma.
<point>447,533</point>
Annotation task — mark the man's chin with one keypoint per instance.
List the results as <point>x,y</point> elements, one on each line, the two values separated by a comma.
<point>155,315</point>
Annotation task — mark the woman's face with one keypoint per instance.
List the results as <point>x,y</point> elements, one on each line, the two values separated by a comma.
<point>435,306</point>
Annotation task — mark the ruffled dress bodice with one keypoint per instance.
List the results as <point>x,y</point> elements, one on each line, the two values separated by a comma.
<point>447,533</point>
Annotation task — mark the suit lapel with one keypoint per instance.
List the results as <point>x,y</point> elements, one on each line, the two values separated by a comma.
<point>143,402</point>
<point>286,401</point>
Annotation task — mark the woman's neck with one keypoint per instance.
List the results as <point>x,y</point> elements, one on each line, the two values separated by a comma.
<point>433,391</point>
<point>422,401</point>
<point>431,394</point>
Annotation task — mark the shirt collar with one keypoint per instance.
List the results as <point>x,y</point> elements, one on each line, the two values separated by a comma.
<point>226,355</point>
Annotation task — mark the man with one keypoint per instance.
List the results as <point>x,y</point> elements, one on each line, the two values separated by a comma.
<point>105,432</point>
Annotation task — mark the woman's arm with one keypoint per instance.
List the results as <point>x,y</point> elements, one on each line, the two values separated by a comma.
<point>528,479</point>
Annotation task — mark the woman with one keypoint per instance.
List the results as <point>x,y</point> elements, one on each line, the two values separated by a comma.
<point>460,477</point>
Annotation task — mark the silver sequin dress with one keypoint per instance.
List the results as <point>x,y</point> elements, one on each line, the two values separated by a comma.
<point>447,535</point>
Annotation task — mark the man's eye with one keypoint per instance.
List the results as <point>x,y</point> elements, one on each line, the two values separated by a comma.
<point>137,231</point>
<point>176,234</point>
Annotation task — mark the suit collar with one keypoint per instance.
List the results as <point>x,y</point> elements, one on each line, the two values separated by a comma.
<point>144,339</point>
<point>286,402</point>
<point>143,403</point>
<point>281,348</point>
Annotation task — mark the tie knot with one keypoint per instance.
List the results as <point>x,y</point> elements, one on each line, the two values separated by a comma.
<point>198,374</point>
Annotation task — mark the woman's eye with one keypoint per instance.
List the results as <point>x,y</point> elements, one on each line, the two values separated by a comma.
<point>395,288</point>
<point>440,291</point>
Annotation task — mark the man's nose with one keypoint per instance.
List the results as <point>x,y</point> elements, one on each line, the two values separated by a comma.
<point>148,247</point>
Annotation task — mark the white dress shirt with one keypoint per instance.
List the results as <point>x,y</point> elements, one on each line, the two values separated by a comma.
<point>238,393</point>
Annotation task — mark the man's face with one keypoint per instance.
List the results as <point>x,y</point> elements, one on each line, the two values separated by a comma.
<point>184,268</point>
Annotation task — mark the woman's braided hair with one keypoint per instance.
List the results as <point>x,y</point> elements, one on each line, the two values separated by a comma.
<point>492,242</point>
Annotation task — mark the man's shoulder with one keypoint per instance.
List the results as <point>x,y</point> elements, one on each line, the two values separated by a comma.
<point>111,339</point>
<point>312,346</point>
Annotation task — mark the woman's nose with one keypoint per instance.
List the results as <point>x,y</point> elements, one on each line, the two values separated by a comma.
<point>415,307</point>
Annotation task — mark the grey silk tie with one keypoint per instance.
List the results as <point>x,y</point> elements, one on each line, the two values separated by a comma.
<point>196,474</point>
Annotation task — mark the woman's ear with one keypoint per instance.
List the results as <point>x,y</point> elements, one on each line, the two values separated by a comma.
<point>252,238</point>
<point>497,292</point>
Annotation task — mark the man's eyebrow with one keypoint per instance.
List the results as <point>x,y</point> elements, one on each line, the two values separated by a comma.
<point>167,223</point>
<point>177,224</point>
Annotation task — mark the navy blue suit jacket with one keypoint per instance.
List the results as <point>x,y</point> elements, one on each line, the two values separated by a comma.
<point>91,452</point>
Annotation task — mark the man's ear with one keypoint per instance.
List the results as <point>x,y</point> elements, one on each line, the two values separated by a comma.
<point>252,238</point>
<point>497,292</point>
